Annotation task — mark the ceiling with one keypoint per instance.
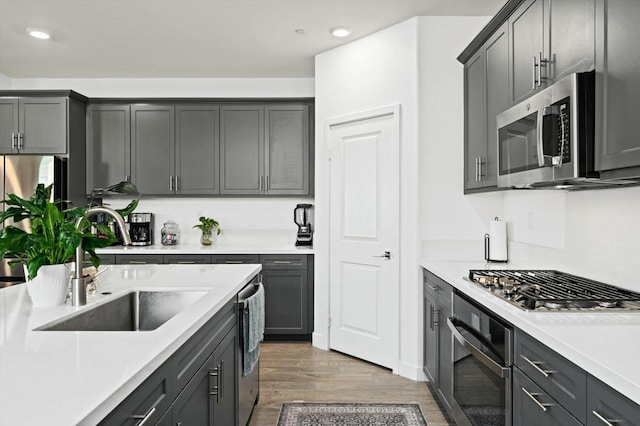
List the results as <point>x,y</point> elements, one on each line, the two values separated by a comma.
<point>194,38</point>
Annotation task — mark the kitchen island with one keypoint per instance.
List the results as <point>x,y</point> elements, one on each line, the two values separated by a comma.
<point>605,345</point>
<point>67,377</point>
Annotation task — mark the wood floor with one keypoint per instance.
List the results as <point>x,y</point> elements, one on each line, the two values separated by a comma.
<point>299,372</point>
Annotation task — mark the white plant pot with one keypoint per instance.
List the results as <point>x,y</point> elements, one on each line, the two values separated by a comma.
<point>51,286</point>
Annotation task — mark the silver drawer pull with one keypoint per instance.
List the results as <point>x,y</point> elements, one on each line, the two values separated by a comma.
<point>536,365</point>
<point>282,262</point>
<point>186,262</point>
<point>603,420</point>
<point>137,262</point>
<point>532,396</point>
<point>145,418</point>
<point>233,262</point>
<point>434,287</point>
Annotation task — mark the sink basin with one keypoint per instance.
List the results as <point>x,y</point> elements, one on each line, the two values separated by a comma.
<point>134,311</point>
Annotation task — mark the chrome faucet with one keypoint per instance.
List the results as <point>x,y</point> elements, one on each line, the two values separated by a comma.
<point>78,284</point>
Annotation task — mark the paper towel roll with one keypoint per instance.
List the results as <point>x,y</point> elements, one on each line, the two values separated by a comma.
<point>497,241</point>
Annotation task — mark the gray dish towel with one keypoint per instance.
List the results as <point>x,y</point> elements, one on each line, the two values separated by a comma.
<point>253,333</point>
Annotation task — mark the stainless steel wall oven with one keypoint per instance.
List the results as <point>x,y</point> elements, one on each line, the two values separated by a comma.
<point>482,362</point>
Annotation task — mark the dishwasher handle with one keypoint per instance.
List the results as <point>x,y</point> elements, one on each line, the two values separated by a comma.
<point>499,370</point>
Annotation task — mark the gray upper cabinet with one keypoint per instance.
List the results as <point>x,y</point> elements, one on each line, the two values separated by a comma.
<point>287,149</point>
<point>242,149</point>
<point>618,88</point>
<point>152,148</point>
<point>526,46</point>
<point>33,125</point>
<point>108,145</point>
<point>197,150</point>
<point>486,96</point>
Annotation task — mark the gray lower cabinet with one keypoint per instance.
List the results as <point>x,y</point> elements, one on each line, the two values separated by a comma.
<point>108,145</point>
<point>618,90</point>
<point>607,405</point>
<point>195,386</point>
<point>437,361</point>
<point>33,125</point>
<point>197,150</point>
<point>152,148</point>
<point>561,379</point>
<point>288,294</point>
<point>532,406</point>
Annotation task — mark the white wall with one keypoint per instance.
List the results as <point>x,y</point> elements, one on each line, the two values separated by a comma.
<point>175,87</point>
<point>5,82</point>
<point>412,64</point>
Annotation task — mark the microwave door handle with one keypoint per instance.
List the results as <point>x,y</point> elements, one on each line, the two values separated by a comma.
<point>539,138</point>
<point>499,370</point>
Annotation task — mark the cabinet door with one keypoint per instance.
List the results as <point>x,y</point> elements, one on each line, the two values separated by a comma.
<point>604,403</point>
<point>108,145</point>
<point>152,148</point>
<point>197,149</point>
<point>497,98</point>
<point>430,344</point>
<point>285,293</point>
<point>287,149</point>
<point>224,403</point>
<point>445,357</point>
<point>571,37</point>
<point>8,125</point>
<point>43,125</point>
<point>475,143</point>
<point>533,407</point>
<point>526,35</point>
<point>194,405</point>
<point>242,149</point>
<point>618,89</point>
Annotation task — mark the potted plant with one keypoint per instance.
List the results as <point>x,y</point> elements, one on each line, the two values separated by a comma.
<point>48,242</point>
<point>207,225</point>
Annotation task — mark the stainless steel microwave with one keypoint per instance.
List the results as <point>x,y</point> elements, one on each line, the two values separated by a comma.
<point>548,139</point>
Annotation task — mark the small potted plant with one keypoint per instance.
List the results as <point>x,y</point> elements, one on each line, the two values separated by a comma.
<point>46,245</point>
<point>207,225</point>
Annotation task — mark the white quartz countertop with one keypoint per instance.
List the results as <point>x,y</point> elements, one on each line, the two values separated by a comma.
<point>245,248</point>
<point>66,377</point>
<point>606,345</point>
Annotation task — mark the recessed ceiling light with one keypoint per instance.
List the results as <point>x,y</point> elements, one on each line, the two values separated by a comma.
<point>39,34</point>
<point>340,31</point>
<point>300,31</point>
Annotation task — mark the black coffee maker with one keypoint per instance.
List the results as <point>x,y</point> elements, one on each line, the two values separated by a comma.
<point>302,217</point>
<point>141,228</point>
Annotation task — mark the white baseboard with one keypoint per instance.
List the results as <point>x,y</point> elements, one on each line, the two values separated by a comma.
<point>410,371</point>
<point>320,341</point>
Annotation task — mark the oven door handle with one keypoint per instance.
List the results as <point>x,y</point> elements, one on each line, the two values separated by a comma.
<point>499,370</point>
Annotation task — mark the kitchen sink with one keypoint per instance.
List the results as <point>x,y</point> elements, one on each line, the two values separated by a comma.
<point>134,311</point>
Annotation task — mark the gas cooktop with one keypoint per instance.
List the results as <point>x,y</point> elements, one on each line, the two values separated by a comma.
<point>554,291</point>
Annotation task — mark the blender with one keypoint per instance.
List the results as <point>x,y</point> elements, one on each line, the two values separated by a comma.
<point>302,218</point>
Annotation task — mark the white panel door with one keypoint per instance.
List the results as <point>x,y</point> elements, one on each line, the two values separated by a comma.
<point>364,222</point>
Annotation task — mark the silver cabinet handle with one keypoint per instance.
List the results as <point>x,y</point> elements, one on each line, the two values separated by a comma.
<point>434,287</point>
<point>477,179</point>
<point>14,140</point>
<point>541,63</point>
<point>127,178</point>
<point>266,185</point>
<point>176,183</point>
<point>282,262</point>
<point>213,390</point>
<point>144,418</point>
<point>221,378</point>
<point>536,365</point>
<point>260,184</point>
<point>233,262</point>
<point>430,316</point>
<point>604,420</point>
<point>532,396</point>
<point>535,69</point>
<point>171,183</point>
<point>137,262</point>
<point>186,262</point>
<point>20,141</point>
<point>436,315</point>
<point>480,163</point>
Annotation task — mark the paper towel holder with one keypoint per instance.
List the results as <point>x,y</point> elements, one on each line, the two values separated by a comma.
<point>487,250</point>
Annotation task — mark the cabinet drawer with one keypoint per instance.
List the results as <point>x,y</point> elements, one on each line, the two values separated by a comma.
<point>532,406</point>
<point>437,288</point>
<point>606,404</point>
<point>561,379</point>
<point>139,259</point>
<point>151,399</point>
<point>186,259</point>
<point>282,261</point>
<point>188,359</point>
<point>235,259</point>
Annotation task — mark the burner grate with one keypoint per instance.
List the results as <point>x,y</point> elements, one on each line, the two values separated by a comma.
<point>549,286</point>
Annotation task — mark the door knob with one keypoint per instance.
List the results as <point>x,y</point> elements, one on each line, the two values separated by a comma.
<point>386,255</point>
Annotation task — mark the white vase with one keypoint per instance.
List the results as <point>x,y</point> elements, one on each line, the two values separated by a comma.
<point>51,286</point>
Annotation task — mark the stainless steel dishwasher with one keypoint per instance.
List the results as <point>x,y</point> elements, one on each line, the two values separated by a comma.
<point>249,385</point>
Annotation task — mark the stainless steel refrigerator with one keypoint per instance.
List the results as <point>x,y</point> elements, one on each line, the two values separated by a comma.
<point>20,174</point>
